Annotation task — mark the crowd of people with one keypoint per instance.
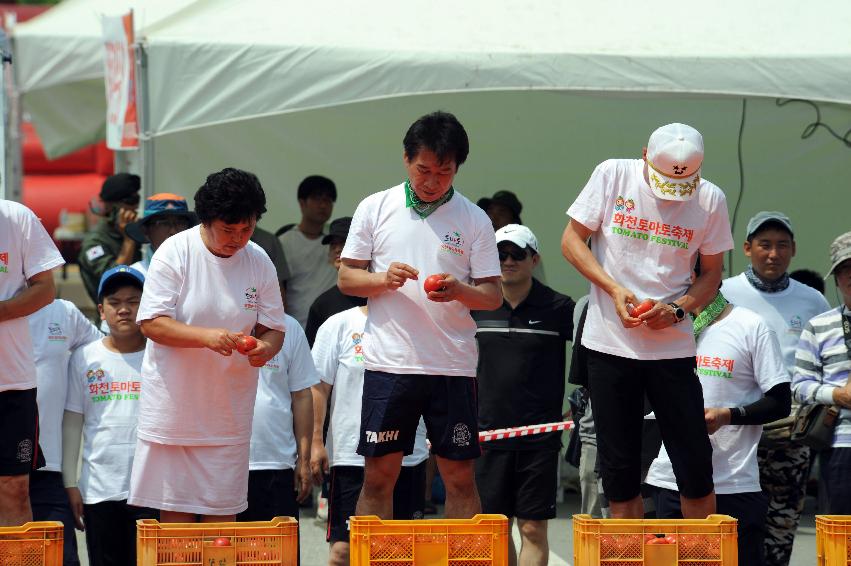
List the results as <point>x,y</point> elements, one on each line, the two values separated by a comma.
<point>233,369</point>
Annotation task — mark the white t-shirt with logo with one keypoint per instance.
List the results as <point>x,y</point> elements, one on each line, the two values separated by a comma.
<point>405,331</point>
<point>57,330</point>
<point>338,353</point>
<point>786,312</point>
<point>273,442</point>
<point>738,360</point>
<point>311,274</point>
<point>25,251</point>
<point>649,246</point>
<point>105,387</point>
<point>195,396</point>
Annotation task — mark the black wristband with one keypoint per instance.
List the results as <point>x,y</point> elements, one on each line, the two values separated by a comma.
<point>736,415</point>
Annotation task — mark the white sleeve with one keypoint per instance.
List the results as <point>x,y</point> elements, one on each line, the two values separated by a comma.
<point>76,400</point>
<point>589,207</point>
<point>484,256</point>
<point>359,243</point>
<point>301,371</point>
<point>326,351</point>
<point>162,288</point>
<point>39,252</point>
<point>768,365</point>
<point>270,306</point>
<point>717,237</point>
<point>82,330</point>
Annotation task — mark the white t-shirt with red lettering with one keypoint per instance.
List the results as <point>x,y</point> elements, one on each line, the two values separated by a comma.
<point>25,251</point>
<point>405,331</point>
<point>738,360</point>
<point>105,386</point>
<point>195,396</point>
<point>338,353</point>
<point>649,246</point>
<point>57,330</point>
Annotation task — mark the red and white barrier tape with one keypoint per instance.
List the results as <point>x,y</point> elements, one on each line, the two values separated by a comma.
<point>499,434</point>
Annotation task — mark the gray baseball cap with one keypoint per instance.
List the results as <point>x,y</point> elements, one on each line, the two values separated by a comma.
<point>840,250</point>
<point>764,216</point>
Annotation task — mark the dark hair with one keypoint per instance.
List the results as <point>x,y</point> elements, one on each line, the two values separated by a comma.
<point>809,278</point>
<point>232,196</point>
<point>441,133</point>
<point>116,282</point>
<point>317,185</point>
<point>771,225</point>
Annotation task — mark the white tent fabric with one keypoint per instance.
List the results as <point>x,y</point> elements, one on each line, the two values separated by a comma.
<point>225,60</point>
<point>58,63</point>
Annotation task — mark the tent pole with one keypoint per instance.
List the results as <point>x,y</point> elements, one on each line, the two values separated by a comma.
<point>146,142</point>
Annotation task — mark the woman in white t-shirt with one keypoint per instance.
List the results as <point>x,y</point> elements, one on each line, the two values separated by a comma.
<point>207,288</point>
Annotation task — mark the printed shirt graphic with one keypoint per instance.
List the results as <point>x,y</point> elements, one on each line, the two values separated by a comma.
<point>105,387</point>
<point>339,358</point>
<point>194,396</point>
<point>25,250</point>
<point>57,330</point>
<point>738,360</point>
<point>273,443</point>
<point>457,238</point>
<point>649,246</point>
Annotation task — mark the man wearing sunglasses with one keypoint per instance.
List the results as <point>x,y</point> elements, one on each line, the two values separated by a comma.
<point>521,375</point>
<point>108,245</point>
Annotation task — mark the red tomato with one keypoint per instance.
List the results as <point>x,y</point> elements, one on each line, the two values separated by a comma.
<point>433,283</point>
<point>642,308</point>
<point>221,541</point>
<point>671,539</point>
<point>649,536</point>
<point>246,344</point>
<point>657,540</point>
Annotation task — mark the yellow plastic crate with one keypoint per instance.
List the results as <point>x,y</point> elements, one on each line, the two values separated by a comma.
<point>621,542</point>
<point>32,544</point>
<point>261,543</point>
<point>833,540</point>
<point>480,541</point>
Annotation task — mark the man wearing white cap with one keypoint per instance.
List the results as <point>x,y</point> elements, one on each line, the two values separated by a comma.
<point>649,219</point>
<point>521,374</point>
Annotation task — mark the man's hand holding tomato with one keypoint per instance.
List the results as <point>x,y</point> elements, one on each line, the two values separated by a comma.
<point>397,274</point>
<point>448,292</point>
<point>623,297</point>
<point>220,340</point>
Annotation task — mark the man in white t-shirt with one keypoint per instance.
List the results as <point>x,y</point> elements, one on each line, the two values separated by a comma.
<point>338,353</point>
<point>57,330</point>
<point>27,256</point>
<point>786,305</point>
<point>306,257</point>
<point>745,385</point>
<point>420,347</point>
<point>279,462</point>
<point>649,219</point>
<point>102,406</point>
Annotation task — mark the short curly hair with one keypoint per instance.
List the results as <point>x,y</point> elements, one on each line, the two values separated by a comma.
<point>232,196</point>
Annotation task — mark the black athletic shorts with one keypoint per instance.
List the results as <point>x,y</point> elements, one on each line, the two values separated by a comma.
<point>271,493</point>
<point>518,483</point>
<point>393,404</point>
<point>618,386</point>
<point>19,450</point>
<point>346,483</point>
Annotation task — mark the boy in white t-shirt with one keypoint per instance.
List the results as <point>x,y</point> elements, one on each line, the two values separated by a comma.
<point>105,383</point>
<point>27,256</point>
<point>745,385</point>
<point>338,353</point>
<point>57,331</point>
<point>420,346</point>
<point>649,220</point>
<point>279,461</point>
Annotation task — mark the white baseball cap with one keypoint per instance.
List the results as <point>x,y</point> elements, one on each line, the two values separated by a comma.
<point>674,158</point>
<point>518,235</point>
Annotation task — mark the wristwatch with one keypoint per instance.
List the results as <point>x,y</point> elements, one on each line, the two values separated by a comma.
<point>678,311</point>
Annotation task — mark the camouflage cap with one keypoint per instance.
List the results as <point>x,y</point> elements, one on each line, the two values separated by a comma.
<point>840,250</point>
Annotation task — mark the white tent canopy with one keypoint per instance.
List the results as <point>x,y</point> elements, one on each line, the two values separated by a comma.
<point>58,63</point>
<point>225,60</point>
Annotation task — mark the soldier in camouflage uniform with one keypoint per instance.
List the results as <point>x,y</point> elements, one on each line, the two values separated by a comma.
<point>786,305</point>
<point>107,245</point>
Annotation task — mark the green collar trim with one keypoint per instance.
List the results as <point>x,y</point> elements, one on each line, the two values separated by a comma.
<point>422,208</point>
<point>708,315</point>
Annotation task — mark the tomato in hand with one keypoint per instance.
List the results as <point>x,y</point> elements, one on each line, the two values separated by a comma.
<point>433,283</point>
<point>246,344</point>
<point>642,308</point>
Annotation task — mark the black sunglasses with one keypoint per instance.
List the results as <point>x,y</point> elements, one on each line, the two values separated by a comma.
<point>515,255</point>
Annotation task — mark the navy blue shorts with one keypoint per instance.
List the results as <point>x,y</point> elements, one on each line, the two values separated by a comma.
<point>394,403</point>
